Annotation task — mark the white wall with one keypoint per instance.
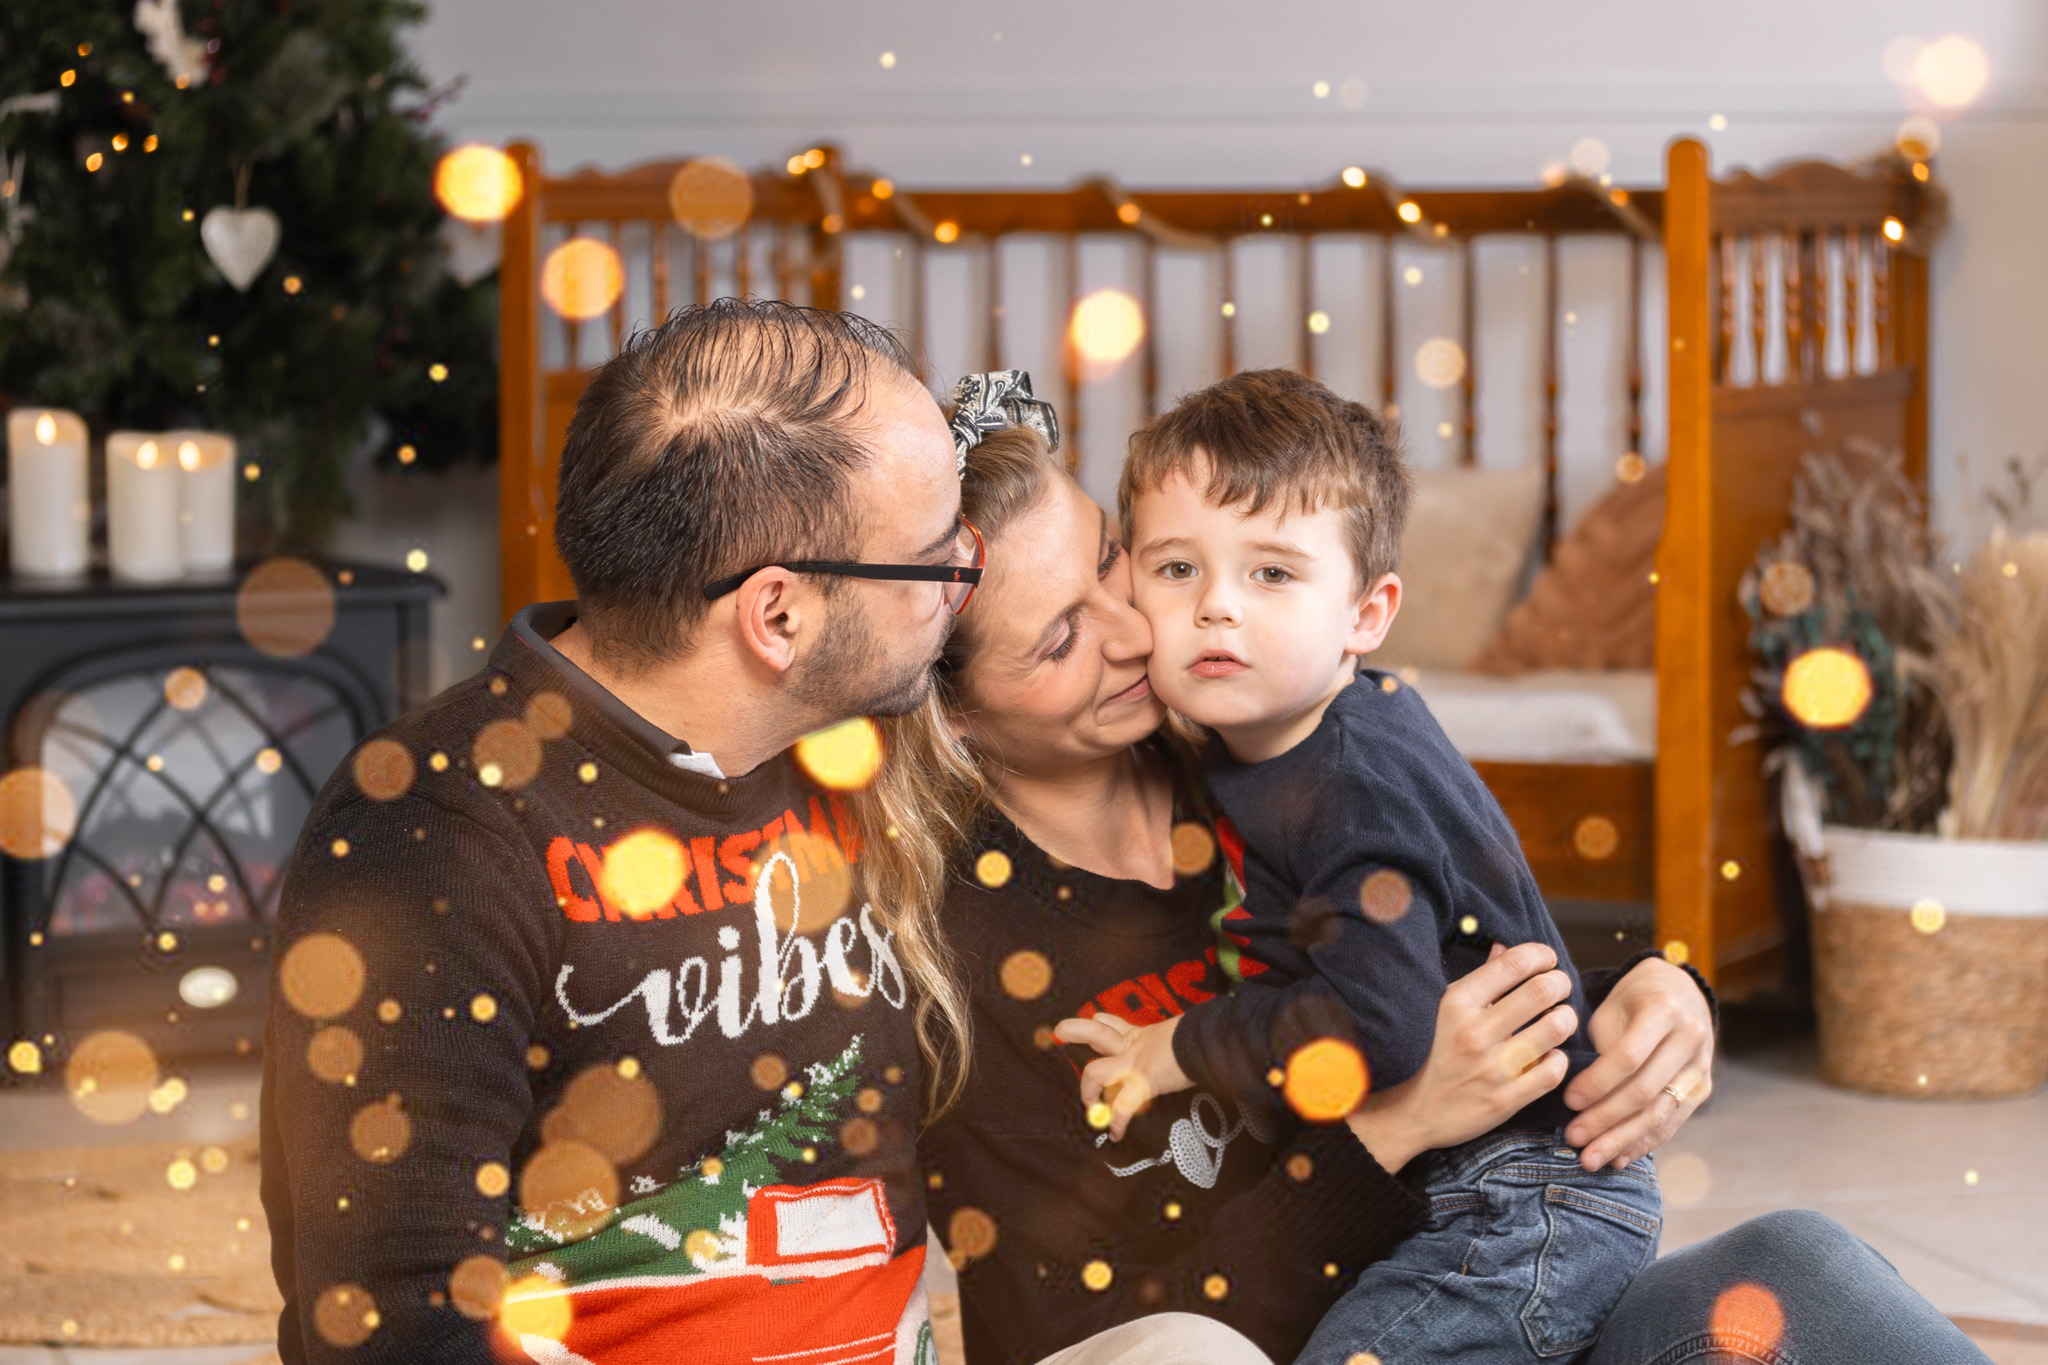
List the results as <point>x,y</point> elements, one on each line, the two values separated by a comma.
<point>1218,92</point>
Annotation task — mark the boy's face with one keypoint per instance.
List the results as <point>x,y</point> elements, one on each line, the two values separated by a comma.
<point>1256,620</point>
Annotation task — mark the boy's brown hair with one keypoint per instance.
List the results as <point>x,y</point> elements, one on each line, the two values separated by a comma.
<point>1267,435</point>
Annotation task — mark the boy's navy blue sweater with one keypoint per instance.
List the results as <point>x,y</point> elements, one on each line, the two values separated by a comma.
<point>1376,869</point>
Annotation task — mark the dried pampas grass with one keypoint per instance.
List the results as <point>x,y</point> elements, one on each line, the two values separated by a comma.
<point>1858,548</point>
<point>1986,661</point>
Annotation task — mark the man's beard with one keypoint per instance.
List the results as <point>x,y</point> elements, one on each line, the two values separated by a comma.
<point>850,675</point>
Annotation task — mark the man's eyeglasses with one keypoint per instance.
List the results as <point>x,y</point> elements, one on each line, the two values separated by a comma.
<point>958,580</point>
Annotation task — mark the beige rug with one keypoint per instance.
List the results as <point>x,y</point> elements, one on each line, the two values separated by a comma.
<point>149,1245</point>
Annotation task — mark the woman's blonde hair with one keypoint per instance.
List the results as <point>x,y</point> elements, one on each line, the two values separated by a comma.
<point>931,790</point>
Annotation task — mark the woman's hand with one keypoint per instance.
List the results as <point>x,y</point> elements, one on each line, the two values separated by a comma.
<point>1653,1031</point>
<point>1484,1064</point>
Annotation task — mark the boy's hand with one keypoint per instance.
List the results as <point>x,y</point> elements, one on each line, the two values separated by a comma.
<point>1136,1064</point>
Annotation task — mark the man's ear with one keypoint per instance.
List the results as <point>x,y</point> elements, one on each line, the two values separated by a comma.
<point>774,607</point>
<point>1374,615</point>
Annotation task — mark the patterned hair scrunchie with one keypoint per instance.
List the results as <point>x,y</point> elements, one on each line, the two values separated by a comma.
<point>993,401</point>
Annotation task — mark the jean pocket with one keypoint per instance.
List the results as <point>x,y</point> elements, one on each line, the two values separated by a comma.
<point>1592,1248</point>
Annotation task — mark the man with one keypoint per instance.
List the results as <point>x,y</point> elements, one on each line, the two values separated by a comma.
<point>550,992</point>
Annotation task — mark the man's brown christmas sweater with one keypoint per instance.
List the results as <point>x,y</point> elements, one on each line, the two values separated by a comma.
<point>546,997</point>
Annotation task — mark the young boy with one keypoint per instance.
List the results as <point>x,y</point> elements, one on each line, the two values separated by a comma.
<point>1264,519</point>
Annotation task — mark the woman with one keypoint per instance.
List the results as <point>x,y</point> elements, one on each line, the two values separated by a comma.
<point>1089,882</point>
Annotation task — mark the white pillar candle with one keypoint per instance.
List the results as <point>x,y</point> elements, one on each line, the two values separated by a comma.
<point>49,503</point>
<point>142,507</point>
<point>206,498</point>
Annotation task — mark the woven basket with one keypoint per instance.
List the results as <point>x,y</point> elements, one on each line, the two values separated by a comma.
<point>1930,963</point>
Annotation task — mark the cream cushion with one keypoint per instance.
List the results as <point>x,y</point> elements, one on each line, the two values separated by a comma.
<point>1462,558</point>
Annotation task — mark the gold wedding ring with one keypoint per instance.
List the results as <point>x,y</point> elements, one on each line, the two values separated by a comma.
<point>1674,1092</point>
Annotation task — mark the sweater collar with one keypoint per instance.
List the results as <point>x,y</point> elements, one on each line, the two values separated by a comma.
<point>604,723</point>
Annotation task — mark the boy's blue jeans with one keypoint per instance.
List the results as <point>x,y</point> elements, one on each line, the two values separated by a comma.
<point>1523,1255</point>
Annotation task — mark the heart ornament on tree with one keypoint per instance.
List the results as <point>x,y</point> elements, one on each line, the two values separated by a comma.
<point>239,241</point>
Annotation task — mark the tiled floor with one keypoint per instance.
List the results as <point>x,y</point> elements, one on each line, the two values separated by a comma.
<point>1953,1194</point>
<point>1895,1172</point>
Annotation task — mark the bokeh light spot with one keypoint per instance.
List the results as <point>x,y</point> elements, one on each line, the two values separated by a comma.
<point>168,1096</point>
<point>1827,688</point>
<point>24,1058</point>
<point>535,1306</point>
<point>335,1054</point>
<point>477,1286</point>
<point>642,872</point>
<point>569,1187</point>
<point>512,748</point>
<point>381,1131</point>
<point>1194,848</point>
<point>992,869</point>
<point>1385,895</point>
<point>769,1071</point>
<point>206,988</point>
<point>844,757</point>
<point>1440,362</point>
<point>345,1315</point>
<point>185,689</point>
<point>615,1114</point>
<point>1747,1316</point>
<point>971,1233</point>
<point>1918,138</point>
<point>181,1174</point>
<point>548,715</point>
<point>582,278</point>
<point>1026,974</point>
<point>1326,1079</point>
<point>483,1007</point>
<point>478,184</point>
<point>1215,1288</point>
<point>1097,1276</point>
<point>269,761</point>
<point>1787,588</point>
<point>1631,467</point>
<point>285,607</point>
<point>1952,71</point>
<point>1589,156</point>
<point>1107,326</point>
<point>492,1179</point>
<point>1928,916</point>
<point>710,197</point>
<point>1300,1167</point>
<point>1100,1116</point>
<point>322,976</point>
<point>1676,953</point>
<point>38,815</point>
<point>1595,838</point>
<point>859,1137</point>
<point>383,769</point>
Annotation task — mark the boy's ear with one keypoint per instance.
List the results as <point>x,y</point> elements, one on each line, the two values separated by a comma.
<point>1374,615</point>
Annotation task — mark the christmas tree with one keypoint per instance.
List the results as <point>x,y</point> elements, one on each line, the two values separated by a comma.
<point>154,156</point>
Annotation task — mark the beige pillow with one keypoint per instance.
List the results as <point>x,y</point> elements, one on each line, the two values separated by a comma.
<point>1462,558</point>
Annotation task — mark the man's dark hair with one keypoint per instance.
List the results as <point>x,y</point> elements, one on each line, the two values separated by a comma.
<point>719,441</point>
<point>1274,435</point>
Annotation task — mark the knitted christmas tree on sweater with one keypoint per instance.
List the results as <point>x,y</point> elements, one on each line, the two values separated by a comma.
<point>728,1234</point>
